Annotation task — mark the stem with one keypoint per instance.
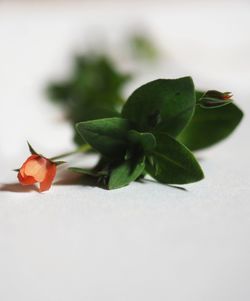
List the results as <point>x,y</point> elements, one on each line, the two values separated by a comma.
<point>82,149</point>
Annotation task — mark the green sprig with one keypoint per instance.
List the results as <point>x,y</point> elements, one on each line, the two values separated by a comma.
<point>148,136</point>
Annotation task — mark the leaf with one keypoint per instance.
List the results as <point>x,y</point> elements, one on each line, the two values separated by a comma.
<point>146,141</point>
<point>93,89</point>
<point>172,163</point>
<point>59,92</point>
<point>108,135</point>
<point>87,172</point>
<point>210,126</point>
<point>126,172</point>
<point>90,113</point>
<point>165,105</point>
<point>59,162</point>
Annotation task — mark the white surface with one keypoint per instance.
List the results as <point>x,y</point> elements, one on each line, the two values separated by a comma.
<point>146,241</point>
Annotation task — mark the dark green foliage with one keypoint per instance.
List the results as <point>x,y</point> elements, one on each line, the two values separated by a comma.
<point>210,126</point>
<point>172,163</point>
<point>125,172</point>
<point>93,91</point>
<point>144,139</point>
<point>164,104</point>
<point>108,136</point>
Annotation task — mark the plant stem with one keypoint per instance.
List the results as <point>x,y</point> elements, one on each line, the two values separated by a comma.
<point>82,149</point>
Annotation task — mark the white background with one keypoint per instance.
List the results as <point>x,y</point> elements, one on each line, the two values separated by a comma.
<point>146,241</point>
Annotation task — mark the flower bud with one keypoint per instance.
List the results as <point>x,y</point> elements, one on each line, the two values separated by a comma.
<point>37,169</point>
<point>214,99</point>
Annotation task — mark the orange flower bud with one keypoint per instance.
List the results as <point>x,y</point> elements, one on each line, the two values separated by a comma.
<point>37,169</point>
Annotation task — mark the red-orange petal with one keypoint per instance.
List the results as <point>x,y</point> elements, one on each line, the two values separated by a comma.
<point>32,157</point>
<point>36,168</point>
<point>23,179</point>
<point>26,180</point>
<point>50,175</point>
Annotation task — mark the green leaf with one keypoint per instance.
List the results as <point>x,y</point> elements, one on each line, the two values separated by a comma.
<point>172,163</point>
<point>93,89</point>
<point>89,113</point>
<point>165,105</point>
<point>146,141</point>
<point>108,135</point>
<point>59,92</point>
<point>210,126</point>
<point>59,162</point>
<point>87,172</point>
<point>126,172</point>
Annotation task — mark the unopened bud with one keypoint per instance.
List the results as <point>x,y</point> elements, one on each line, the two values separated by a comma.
<point>214,99</point>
